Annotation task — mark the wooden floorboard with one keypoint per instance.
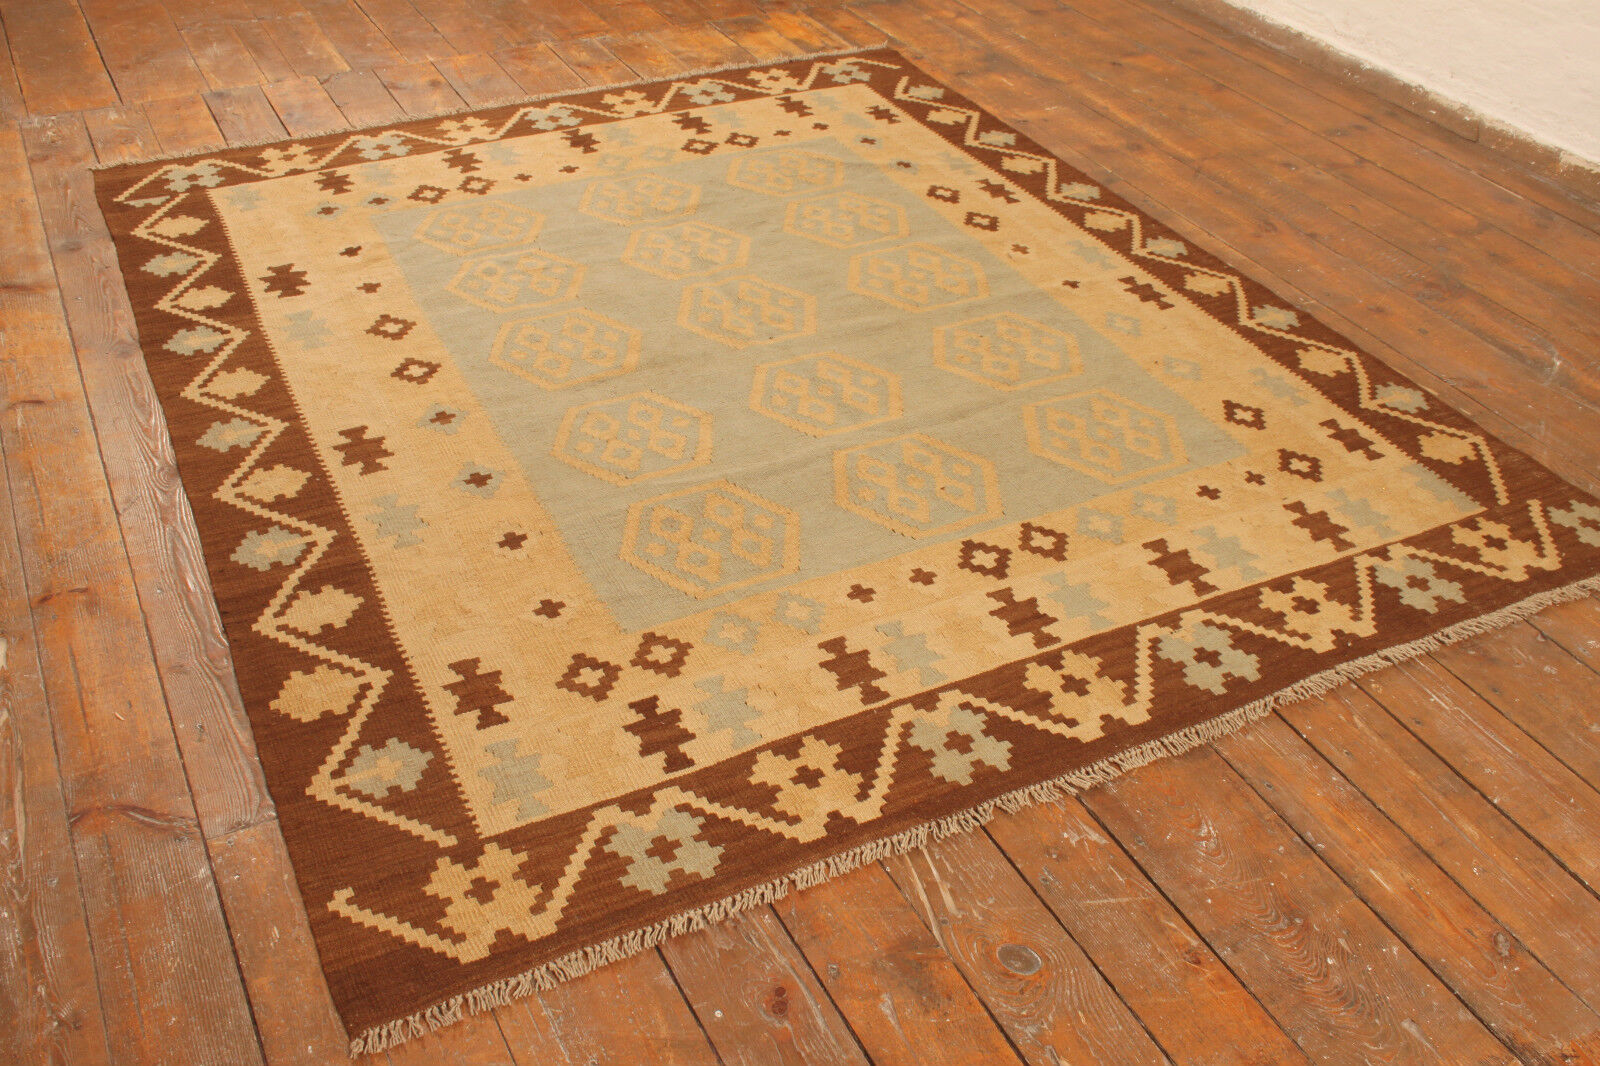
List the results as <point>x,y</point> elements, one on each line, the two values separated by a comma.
<point>1405,870</point>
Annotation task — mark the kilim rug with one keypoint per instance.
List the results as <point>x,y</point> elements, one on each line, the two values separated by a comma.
<point>628,506</point>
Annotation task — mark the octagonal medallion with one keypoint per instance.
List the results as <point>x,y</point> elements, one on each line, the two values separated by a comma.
<point>564,348</point>
<point>1104,435</point>
<point>785,171</point>
<point>467,228</point>
<point>1006,351</point>
<point>711,539</point>
<point>513,281</point>
<point>633,438</point>
<point>845,219</point>
<point>825,393</point>
<point>641,198</point>
<point>686,250</point>
<point>916,485</point>
<point>746,310</point>
<point>917,277</point>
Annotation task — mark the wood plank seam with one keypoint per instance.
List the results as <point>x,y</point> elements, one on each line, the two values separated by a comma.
<point>186,816</point>
<point>1377,912</point>
<point>1195,930</point>
<point>1489,698</point>
<point>1589,884</point>
<point>811,967</point>
<point>1034,889</point>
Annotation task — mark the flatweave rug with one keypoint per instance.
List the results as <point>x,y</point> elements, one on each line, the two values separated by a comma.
<point>628,506</point>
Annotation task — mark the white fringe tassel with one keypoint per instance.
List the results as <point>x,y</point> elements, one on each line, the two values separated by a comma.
<point>578,963</point>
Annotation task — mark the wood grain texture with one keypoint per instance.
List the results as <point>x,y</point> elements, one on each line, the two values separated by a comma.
<point>902,996</point>
<point>1482,850</point>
<point>412,35</point>
<point>58,67</point>
<point>419,89</point>
<point>627,1012</point>
<point>224,778</point>
<point>183,125</point>
<point>1321,961</point>
<point>1193,1005</point>
<point>299,38</point>
<point>537,70</point>
<point>48,991</point>
<point>360,43</point>
<point>142,49</point>
<point>1539,685</point>
<point>1382,121</point>
<point>12,106</point>
<point>154,917</point>
<point>756,996</point>
<point>593,62</point>
<point>120,134</point>
<point>245,115</point>
<point>1576,627</point>
<point>1331,132</point>
<point>363,98</point>
<point>479,80</point>
<point>294,1013</point>
<point>1442,832</point>
<point>1549,801</point>
<point>221,56</point>
<point>1521,1002</point>
<point>304,107</point>
<point>475,1041</point>
<point>1033,977</point>
<point>1535,315</point>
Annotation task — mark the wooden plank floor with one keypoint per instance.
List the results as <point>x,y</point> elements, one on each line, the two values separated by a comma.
<point>1404,871</point>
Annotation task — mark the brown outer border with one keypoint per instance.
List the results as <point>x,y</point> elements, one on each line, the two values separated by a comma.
<point>483,984</point>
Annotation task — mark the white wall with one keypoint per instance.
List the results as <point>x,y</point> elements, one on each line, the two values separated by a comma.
<point>1531,64</point>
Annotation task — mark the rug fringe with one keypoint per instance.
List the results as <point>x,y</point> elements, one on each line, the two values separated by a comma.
<point>578,963</point>
<point>698,72</point>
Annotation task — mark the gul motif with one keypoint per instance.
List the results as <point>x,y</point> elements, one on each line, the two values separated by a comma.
<point>515,281</point>
<point>467,228</point>
<point>916,485</point>
<point>565,348</point>
<point>1106,436</point>
<point>845,219</point>
<point>825,393</point>
<point>686,250</point>
<point>917,277</point>
<point>711,539</point>
<point>634,437</point>
<point>747,310</point>
<point>642,198</point>
<point>1006,351</point>
<point>1418,581</point>
<point>785,171</point>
